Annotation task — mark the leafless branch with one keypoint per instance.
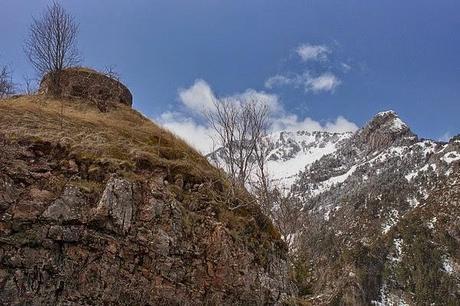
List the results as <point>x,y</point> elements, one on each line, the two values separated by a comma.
<point>7,87</point>
<point>110,71</point>
<point>51,45</point>
<point>239,128</point>
<point>30,85</point>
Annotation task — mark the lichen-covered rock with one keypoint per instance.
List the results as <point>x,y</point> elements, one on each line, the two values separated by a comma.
<point>124,241</point>
<point>116,205</point>
<point>66,207</point>
<point>88,84</point>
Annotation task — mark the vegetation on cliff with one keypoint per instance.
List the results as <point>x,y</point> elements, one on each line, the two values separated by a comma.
<point>104,184</point>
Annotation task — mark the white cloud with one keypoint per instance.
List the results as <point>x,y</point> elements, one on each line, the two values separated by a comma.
<point>291,122</point>
<point>197,135</point>
<point>324,82</point>
<point>308,52</point>
<point>251,95</point>
<point>198,98</point>
<point>192,128</point>
<point>321,79</point>
<point>278,80</point>
<point>341,124</point>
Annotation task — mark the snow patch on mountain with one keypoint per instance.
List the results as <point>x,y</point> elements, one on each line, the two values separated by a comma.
<point>333,181</point>
<point>390,221</point>
<point>290,152</point>
<point>451,157</point>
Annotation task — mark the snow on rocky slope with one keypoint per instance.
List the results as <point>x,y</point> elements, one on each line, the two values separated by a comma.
<point>287,153</point>
<point>314,165</point>
<point>290,152</point>
<point>372,209</point>
<point>372,205</point>
<point>385,149</point>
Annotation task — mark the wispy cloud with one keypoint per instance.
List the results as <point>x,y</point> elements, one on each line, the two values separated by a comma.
<point>320,74</point>
<point>281,80</point>
<point>308,52</point>
<point>191,126</point>
<point>325,82</point>
<point>345,67</point>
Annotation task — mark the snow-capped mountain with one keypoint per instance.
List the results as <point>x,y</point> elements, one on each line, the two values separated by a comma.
<point>377,201</point>
<point>384,148</point>
<point>287,153</point>
<point>290,152</point>
<point>381,209</point>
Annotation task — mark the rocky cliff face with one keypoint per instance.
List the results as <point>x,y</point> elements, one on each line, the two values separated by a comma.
<point>96,220</point>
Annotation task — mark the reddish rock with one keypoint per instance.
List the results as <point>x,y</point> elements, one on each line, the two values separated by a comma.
<point>130,243</point>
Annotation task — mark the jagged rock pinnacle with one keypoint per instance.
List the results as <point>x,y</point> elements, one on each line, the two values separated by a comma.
<point>385,129</point>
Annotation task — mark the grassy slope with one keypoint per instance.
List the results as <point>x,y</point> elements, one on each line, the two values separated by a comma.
<point>122,140</point>
<point>121,136</point>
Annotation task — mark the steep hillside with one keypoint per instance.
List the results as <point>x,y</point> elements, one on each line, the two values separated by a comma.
<point>107,208</point>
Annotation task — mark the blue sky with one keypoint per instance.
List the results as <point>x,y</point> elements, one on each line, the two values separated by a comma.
<point>320,60</point>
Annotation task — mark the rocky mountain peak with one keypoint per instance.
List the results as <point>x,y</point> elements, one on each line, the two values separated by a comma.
<point>388,119</point>
<point>384,130</point>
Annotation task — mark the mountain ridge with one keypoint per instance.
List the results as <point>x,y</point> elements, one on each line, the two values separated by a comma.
<point>370,206</point>
<point>360,198</point>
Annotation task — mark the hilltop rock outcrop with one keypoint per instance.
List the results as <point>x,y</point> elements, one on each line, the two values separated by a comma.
<point>88,84</point>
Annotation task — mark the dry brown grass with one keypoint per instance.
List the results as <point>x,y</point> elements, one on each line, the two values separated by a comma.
<point>124,140</point>
<point>120,136</point>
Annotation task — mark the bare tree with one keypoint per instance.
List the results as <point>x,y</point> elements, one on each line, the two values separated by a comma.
<point>29,86</point>
<point>111,72</point>
<point>239,128</point>
<point>287,215</point>
<point>6,82</point>
<point>51,45</point>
